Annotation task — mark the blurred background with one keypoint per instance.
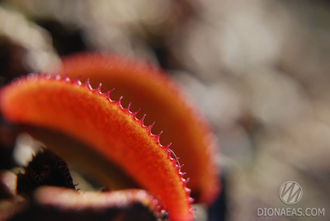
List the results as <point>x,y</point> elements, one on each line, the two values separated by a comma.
<point>259,70</point>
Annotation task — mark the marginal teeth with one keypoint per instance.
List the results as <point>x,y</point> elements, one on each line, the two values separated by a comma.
<point>77,79</point>
<point>118,101</point>
<point>188,191</point>
<point>127,109</point>
<point>170,153</point>
<point>98,89</point>
<point>66,77</point>
<point>107,94</point>
<point>162,151</point>
<point>142,120</point>
<point>57,77</point>
<point>157,138</point>
<point>135,113</point>
<point>87,84</point>
<point>182,173</point>
<point>129,106</point>
<point>150,126</point>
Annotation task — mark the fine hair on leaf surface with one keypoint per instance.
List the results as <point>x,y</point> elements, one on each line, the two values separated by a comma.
<point>110,131</point>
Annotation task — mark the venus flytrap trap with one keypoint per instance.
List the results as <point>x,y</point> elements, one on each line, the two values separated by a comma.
<point>99,132</point>
<point>151,91</point>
